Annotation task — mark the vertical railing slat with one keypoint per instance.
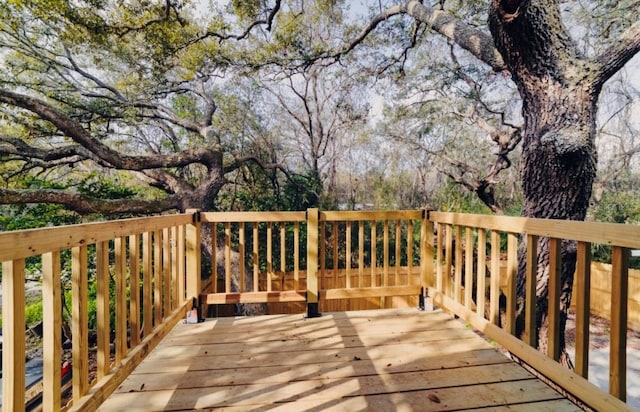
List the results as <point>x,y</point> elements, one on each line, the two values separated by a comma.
<point>102,309</point>
<point>52,331</point>
<point>530,299</point>
<point>147,280</point>
<point>283,255</point>
<point>134,287</point>
<point>323,254</point>
<point>121,299</point>
<point>410,253</point>
<point>618,338</point>
<point>555,268</point>
<point>374,259</point>
<point>166,273</point>
<point>13,345</point>
<point>448,261</point>
<point>347,263</point>
<point>269,256</point>
<point>182,281</point>
<point>482,272</point>
<point>79,323</point>
<point>360,253</point>
<point>582,292</point>
<point>334,247</point>
<point>157,277</point>
<point>494,287</point>
<point>439,256</point>
<point>242,246</point>
<point>214,257</point>
<point>385,254</point>
<point>512,272</point>
<point>457,283</point>
<point>175,277</point>
<point>227,257</point>
<point>468,268</point>
<point>296,256</point>
<point>256,258</point>
<point>398,256</point>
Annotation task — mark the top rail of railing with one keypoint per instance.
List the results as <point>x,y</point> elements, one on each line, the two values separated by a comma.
<point>627,236</point>
<point>25,243</point>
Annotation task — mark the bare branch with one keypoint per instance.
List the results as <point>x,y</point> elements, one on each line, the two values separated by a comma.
<point>106,155</point>
<point>477,42</point>
<point>15,146</point>
<point>613,59</point>
<point>259,22</point>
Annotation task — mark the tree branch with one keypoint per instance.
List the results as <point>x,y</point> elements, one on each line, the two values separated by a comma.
<point>614,58</point>
<point>86,205</point>
<point>108,157</point>
<point>470,38</point>
<point>15,146</point>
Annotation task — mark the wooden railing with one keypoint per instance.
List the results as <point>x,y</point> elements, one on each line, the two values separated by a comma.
<point>458,233</point>
<point>144,258</point>
<point>307,258</point>
<point>327,255</point>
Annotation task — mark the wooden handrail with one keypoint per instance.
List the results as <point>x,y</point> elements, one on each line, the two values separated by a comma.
<point>131,253</point>
<point>451,227</point>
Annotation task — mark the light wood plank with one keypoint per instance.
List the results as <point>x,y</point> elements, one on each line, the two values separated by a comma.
<point>157,277</point>
<point>530,299</point>
<point>312,256</point>
<point>241,252</point>
<point>468,268</point>
<point>80,319</point>
<point>147,280</point>
<point>573,383</point>
<point>318,363</point>
<point>555,269</point>
<point>618,334</point>
<point>381,291</point>
<point>134,287</point>
<point>33,242</point>
<point>52,331</point>
<point>227,256</point>
<point>512,272</point>
<point>121,299</point>
<point>595,232</point>
<point>193,259</point>
<point>13,345</point>
<point>103,318</point>
<point>582,292</point>
<point>166,272</point>
<point>482,272</point>
<point>494,288</point>
<point>457,283</point>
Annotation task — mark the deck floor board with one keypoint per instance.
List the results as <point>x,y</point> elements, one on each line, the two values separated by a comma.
<point>362,360</point>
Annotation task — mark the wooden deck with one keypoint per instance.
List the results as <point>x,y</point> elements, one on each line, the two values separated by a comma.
<point>380,360</point>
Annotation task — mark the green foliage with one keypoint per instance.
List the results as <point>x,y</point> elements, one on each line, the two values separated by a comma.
<point>618,206</point>
<point>33,314</point>
<point>105,187</point>
<point>452,198</point>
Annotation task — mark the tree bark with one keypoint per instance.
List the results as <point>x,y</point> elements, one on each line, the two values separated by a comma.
<point>557,86</point>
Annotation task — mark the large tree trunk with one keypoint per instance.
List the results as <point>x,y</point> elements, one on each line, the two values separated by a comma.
<point>558,153</point>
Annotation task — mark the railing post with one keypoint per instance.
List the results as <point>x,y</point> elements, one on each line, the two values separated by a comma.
<point>312,263</point>
<point>426,260</point>
<point>193,256</point>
